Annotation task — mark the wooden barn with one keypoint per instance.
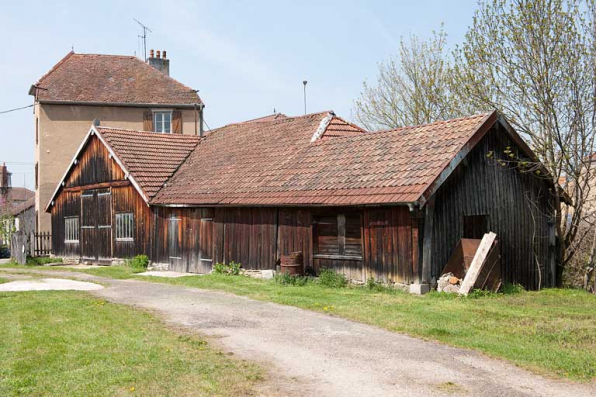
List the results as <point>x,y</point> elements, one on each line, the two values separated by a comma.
<point>391,205</point>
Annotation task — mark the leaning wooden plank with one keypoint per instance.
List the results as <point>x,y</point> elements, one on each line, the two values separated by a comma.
<point>477,263</point>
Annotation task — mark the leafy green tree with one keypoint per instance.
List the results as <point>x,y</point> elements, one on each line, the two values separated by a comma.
<point>411,89</point>
<point>534,60</point>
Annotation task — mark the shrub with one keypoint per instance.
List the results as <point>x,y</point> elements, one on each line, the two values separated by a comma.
<point>377,286</point>
<point>329,278</point>
<point>288,279</point>
<point>139,262</point>
<point>512,289</point>
<point>481,293</point>
<point>42,260</point>
<point>230,269</point>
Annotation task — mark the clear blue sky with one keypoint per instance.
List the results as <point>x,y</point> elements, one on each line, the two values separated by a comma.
<point>245,57</point>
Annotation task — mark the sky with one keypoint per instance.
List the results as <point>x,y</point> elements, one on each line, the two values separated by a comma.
<point>246,58</point>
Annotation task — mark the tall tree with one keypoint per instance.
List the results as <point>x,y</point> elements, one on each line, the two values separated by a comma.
<point>411,89</point>
<point>534,60</point>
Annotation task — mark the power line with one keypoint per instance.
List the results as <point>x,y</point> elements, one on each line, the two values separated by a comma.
<point>17,162</point>
<point>205,121</point>
<point>15,109</point>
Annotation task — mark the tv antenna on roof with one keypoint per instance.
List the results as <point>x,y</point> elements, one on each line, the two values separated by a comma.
<point>144,37</point>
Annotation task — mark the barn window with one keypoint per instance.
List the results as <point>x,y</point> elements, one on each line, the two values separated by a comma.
<point>475,226</point>
<point>162,122</point>
<point>71,229</point>
<point>124,226</point>
<point>338,236</point>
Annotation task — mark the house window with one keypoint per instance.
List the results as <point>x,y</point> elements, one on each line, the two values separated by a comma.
<point>124,227</point>
<point>338,236</point>
<point>71,229</point>
<point>162,122</point>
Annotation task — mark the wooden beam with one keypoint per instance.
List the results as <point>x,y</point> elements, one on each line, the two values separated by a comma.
<point>477,263</point>
<point>341,231</point>
<point>102,185</point>
<point>427,243</point>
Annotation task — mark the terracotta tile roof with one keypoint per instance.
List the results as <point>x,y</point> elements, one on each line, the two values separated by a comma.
<point>21,206</point>
<point>16,200</point>
<point>111,79</point>
<point>151,158</point>
<point>20,194</point>
<point>274,116</point>
<point>338,127</point>
<point>275,163</point>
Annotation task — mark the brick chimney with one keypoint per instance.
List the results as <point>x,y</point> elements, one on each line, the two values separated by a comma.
<point>159,62</point>
<point>5,183</point>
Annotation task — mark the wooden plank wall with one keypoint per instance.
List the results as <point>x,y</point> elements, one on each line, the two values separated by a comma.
<point>67,204</point>
<point>517,205</point>
<point>256,237</point>
<point>195,238</point>
<point>295,233</point>
<point>388,249</point>
<point>94,166</point>
<point>247,236</point>
<point>126,199</point>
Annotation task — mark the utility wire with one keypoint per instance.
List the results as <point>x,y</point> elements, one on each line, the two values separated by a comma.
<point>15,109</point>
<point>17,162</point>
<point>207,125</point>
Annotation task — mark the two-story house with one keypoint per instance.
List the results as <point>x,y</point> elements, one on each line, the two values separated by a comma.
<point>112,90</point>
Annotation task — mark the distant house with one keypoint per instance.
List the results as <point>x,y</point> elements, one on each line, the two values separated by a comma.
<point>388,205</point>
<point>120,91</point>
<point>17,208</point>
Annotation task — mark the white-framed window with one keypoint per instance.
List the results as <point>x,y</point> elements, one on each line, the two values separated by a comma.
<point>124,226</point>
<point>71,229</point>
<point>162,122</point>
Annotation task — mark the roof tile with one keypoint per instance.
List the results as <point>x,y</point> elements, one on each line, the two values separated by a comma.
<point>111,79</point>
<point>274,162</point>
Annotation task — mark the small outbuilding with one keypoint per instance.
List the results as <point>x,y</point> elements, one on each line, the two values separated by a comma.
<point>391,205</point>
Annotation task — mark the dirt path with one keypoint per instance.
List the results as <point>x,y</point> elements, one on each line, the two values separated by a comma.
<point>312,354</point>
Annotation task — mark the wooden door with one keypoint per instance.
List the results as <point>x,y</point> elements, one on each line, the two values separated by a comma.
<point>200,242</point>
<point>96,225</point>
<point>174,246</point>
<point>205,263</point>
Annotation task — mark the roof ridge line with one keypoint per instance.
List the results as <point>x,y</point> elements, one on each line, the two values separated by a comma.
<point>444,167</point>
<point>167,136</point>
<point>323,125</point>
<point>53,69</point>
<point>483,114</point>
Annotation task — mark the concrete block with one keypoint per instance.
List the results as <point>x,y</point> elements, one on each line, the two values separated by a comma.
<point>419,289</point>
<point>267,274</point>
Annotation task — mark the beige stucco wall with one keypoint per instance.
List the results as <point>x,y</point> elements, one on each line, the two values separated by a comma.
<point>61,131</point>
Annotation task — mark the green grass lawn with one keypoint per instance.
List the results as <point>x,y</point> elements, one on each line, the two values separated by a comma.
<point>551,332</point>
<point>68,343</point>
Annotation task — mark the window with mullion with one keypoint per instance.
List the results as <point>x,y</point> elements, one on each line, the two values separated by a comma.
<point>338,235</point>
<point>124,227</point>
<point>162,122</point>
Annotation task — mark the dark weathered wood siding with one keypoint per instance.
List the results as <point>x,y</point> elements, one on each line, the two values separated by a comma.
<point>517,205</point>
<point>99,178</point>
<point>67,204</point>
<point>183,238</point>
<point>388,245</point>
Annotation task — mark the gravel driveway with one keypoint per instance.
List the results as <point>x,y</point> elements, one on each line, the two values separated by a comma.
<point>311,354</point>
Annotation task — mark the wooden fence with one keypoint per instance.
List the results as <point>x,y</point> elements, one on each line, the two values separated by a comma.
<point>41,244</point>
